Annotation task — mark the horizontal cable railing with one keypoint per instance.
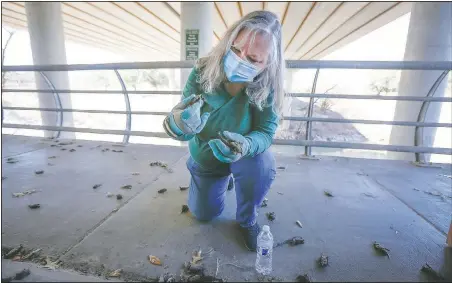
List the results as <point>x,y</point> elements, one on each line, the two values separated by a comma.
<point>308,143</point>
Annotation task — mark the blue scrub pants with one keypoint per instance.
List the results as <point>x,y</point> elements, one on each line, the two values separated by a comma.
<point>253,177</point>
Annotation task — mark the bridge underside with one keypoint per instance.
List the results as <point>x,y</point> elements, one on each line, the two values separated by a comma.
<point>151,31</point>
<point>403,207</point>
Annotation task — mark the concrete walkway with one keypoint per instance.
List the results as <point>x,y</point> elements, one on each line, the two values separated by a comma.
<point>405,208</point>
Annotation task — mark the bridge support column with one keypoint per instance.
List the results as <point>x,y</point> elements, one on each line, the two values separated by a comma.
<point>196,32</point>
<point>428,39</point>
<point>45,26</point>
<point>287,109</point>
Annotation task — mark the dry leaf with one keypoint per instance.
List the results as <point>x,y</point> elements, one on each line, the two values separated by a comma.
<point>32,254</point>
<point>51,264</point>
<point>154,260</point>
<point>17,258</point>
<point>196,257</point>
<point>16,195</point>
<point>447,176</point>
<point>13,252</point>
<point>115,273</point>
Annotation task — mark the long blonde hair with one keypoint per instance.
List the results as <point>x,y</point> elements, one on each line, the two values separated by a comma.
<point>270,79</point>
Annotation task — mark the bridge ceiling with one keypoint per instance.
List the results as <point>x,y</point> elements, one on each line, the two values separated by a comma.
<point>311,30</point>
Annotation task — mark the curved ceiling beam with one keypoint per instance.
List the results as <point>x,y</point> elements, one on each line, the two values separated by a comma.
<point>348,11</point>
<point>153,14</point>
<point>357,28</point>
<point>114,26</point>
<point>301,25</point>
<point>320,26</point>
<point>240,9</point>
<point>220,14</point>
<point>128,11</point>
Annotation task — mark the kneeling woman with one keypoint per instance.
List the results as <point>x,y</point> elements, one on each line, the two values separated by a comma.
<point>229,113</point>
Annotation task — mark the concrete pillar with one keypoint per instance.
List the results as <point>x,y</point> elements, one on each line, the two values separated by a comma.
<point>45,26</point>
<point>428,39</point>
<point>195,18</point>
<point>287,109</point>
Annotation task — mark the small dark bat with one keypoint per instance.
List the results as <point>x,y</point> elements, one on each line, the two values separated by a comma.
<point>322,261</point>
<point>196,99</point>
<point>233,145</point>
<point>380,249</point>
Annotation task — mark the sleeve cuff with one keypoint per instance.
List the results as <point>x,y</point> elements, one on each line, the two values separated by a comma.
<point>175,133</point>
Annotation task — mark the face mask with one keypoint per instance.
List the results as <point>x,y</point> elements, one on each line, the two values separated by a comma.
<point>238,70</point>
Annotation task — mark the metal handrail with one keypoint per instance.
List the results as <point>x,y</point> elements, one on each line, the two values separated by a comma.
<point>418,131</point>
<point>57,99</point>
<point>290,94</point>
<point>307,149</point>
<point>288,118</point>
<point>291,64</point>
<point>128,109</point>
<point>308,143</point>
<point>397,148</point>
<point>94,91</point>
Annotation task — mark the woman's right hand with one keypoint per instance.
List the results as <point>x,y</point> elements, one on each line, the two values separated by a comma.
<point>188,117</point>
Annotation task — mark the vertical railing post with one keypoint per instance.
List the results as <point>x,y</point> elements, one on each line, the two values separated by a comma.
<point>307,148</point>
<point>56,97</point>
<point>127,102</point>
<point>419,131</point>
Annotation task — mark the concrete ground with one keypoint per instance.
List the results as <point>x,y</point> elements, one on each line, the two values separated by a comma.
<point>405,208</point>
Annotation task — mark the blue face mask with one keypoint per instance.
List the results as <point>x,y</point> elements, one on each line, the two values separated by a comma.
<point>238,70</point>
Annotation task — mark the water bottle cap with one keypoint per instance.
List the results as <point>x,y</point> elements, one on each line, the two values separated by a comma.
<point>266,228</point>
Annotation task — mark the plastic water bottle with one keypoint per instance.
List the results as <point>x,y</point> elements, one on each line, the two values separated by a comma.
<point>264,251</point>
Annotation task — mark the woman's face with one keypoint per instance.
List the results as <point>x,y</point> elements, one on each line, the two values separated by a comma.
<point>256,53</point>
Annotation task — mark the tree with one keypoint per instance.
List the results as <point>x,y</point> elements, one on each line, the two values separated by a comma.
<point>325,103</point>
<point>4,49</point>
<point>103,80</point>
<point>155,78</point>
<point>385,85</point>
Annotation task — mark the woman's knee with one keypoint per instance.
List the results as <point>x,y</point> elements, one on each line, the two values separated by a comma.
<point>206,213</point>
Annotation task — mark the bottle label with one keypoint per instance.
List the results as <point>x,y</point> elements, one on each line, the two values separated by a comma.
<point>264,251</point>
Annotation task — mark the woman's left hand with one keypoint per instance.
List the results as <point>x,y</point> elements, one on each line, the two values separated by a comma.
<point>229,148</point>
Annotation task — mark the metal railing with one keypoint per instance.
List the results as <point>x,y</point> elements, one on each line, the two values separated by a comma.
<point>308,143</point>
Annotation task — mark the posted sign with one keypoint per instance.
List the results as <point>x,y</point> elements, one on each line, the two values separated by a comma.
<point>191,44</point>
